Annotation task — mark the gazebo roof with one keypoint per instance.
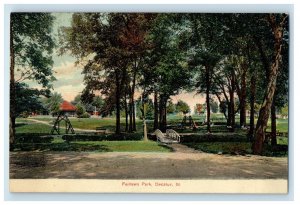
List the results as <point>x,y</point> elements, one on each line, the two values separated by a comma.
<point>66,106</point>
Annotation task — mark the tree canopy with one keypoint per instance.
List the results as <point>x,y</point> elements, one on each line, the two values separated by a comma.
<point>31,47</point>
<point>136,62</point>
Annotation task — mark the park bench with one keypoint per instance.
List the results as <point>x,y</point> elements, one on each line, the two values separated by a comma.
<point>100,129</point>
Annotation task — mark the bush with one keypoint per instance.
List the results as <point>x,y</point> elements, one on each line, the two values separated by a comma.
<point>33,138</point>
<point>25,114</point>
<point>221,137</point>
<point>84,115</point>
<point>103,137</point>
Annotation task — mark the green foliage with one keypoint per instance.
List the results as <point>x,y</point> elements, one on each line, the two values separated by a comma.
<point>52,103</point>
<point>223,107</point>
<point>76,100</point>
<point>80,110</point>
<point>285,111</point>
<point>234,148</point>
<point>183,107</point>
<point>98,102</point>
<point>85,115</point>
<point>165,69</point>
<point>149,108</point>
<point>24,114</point>
<point>33,45</point>
<point>214,106</point>
<point>171,107</point>
<point>103,137</point>
<point>27,100</point>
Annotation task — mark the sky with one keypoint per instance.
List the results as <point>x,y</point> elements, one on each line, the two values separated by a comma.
<point>69,80</point>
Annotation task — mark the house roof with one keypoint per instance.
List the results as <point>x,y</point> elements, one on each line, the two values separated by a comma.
<point>66,106</point>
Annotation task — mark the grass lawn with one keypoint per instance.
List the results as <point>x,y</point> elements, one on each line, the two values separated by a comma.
<point>281,125</point>
<point>23,126</point>
<point>94,146</point>
<point>238,143</point>
<point>240,147</point>
<point>127,146</point>
<point>109,123</point>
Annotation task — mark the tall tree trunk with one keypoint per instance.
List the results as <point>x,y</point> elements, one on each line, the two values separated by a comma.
<point>165,116</point>
<point>130,115</point>
<point>208,82</point>
<point>252,103</point>
<point>144,120</point>
<point>133,114</point>
<point>118,104</point>
<point>273,125</point>
<point>12,116</point>
<point>126,113</point>
<point>231,96</point>
<point>228,117</point>
<point>155,126</point>
<point>264,111</point>
<point>162,112</point>
<point>243,97</point>
<point>132,96</point>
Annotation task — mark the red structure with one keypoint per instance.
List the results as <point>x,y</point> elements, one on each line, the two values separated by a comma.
<point>67,108</point>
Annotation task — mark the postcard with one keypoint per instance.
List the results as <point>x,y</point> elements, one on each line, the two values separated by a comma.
<point>113,102</point>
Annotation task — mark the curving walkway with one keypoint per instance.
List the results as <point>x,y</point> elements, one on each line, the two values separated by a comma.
<point>51,125</point>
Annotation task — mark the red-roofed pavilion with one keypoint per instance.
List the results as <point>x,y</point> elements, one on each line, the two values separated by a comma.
<point>67,108</point>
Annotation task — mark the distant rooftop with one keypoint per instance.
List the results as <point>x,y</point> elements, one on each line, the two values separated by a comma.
<point>66,106</point>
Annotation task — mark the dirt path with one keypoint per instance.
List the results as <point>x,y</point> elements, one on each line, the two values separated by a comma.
<point>183,149</point>
<point>126,165</point>
<point>51,125</point>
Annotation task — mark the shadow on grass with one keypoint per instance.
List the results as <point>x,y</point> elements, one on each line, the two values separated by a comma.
<point>166,147</point>
<point>60,146</point>
<point>21,124</point>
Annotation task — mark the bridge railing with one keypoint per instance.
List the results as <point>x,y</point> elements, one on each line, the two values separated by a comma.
<point>173,135</point>
<point>159,135</point>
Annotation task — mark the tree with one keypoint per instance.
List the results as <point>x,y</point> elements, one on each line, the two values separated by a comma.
<point>171,108</point>
<point>223,108</point>
<point>98,102</point>
<point>80,110</point>
<point>214,106</point>
<point>204,42</point>
<point>76,100</point>
<point>145,104</point>
<point>52,103</point>
<point>284,111</point>
<point>31,45</point>
<point>277,23</point>
<point>183,107</point>
<point>165,70</point>
<point>27,99</point>
<point>116,42</point>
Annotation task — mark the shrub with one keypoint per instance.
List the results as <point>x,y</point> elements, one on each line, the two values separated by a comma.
<point>220,137</point>
<point>85,115</point>
<point>33,138</point>
<point>103,137</point>
<point>25,114</point>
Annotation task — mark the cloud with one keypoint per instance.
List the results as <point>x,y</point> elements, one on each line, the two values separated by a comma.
<point>69,80</point>
<point>67,74</point>
<point>69,92</point>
